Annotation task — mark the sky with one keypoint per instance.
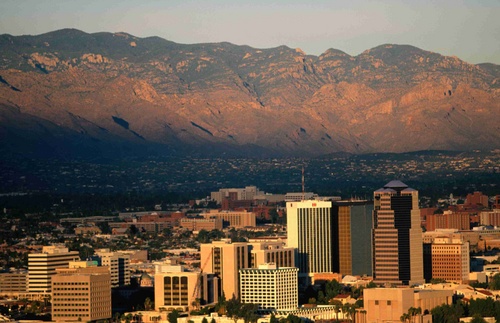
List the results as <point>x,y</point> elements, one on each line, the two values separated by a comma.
<point>468,29</point>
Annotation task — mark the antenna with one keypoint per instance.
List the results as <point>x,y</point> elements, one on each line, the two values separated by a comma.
<point>303,185</point>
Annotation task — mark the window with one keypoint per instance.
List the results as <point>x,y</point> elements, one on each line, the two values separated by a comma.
<point>376,302</point>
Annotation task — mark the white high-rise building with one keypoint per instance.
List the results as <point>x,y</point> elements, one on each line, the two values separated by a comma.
<point>270,287</point>
<point>42,266</point>
<point>310,228</point>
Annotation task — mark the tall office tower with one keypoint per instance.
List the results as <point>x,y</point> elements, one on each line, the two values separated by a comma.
<point>271,287</point>
<point>310,227</point>
<point>352,237</point>
<point>81,292</point>
<point>42,266</point>
<point>118,263</point>
<point>397,236</point>
<point>176,288</point>
<point>224,259</point>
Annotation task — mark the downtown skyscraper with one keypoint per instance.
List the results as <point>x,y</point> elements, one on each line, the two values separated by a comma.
<point>310,227</point>
<point>397,236</point>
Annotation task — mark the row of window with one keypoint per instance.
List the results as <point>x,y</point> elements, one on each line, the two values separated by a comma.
<point>71,309</point>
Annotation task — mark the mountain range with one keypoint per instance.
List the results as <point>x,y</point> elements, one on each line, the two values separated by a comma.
<point>68,93</point>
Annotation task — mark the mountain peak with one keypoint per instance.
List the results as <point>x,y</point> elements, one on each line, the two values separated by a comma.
<point>391,98</point>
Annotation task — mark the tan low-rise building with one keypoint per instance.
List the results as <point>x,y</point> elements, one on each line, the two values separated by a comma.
<point>13,283</point>
<point>235,219</point>
<point>195,224</point>
<point>389,304</point>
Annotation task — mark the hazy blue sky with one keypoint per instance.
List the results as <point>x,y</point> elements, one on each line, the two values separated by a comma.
<point>464,28</point>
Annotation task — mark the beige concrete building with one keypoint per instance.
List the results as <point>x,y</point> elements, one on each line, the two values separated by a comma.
<point>247,193</point>
<point>397,236</point>
<point>81,293</point>
<point>13,283</point>
<point>389,304</point>
<point>194,224</point>
<point>176,288</point>
<point>118,263</point>
<point>271,251</point>
<point>309,230</point>
<point>225,259</point>
<point>271,287</point>
<point>450,260</point>
<point>42,266</point>
<point>490,217</point>
<point>300,196</point>
<point>235,219</point>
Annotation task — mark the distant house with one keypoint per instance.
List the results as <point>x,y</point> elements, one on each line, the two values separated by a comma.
<point>145,280</point>
<point>344,299</point>
<point>87,230</point>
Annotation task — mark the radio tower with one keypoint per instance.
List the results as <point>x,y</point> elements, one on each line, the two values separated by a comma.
<point>303,185</point>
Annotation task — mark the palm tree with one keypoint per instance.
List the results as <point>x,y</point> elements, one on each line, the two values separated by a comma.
<point>338,307</point>
<point>414,311</point>
<point>346,310</point>
<point>352,312</point>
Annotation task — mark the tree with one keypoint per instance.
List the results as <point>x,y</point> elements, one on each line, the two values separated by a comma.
<point>495,282</point>
<point>132,230</point>
<point>233,309</point>
<point>204,320</point>
<point>173,316</point>
<point>447,313</point>
<point>337,308</point>
<point>273,319</point>
<point>247,312</point>
<point>293,319</point>
<point>203,236</point>
<point>405,318</point>
<point>437,281</point>
<point>477,319</point>
<point>148,304</point>
<point>352,312</point>
<point>273,215</point>
<point>482,306</point>
<point>332,289</point>
<point>414,311</point>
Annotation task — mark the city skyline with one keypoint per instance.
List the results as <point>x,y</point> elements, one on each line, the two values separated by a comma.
<point>465,29</point>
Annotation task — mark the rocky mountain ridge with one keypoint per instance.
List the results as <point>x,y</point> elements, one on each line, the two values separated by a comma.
<point>71,92</point>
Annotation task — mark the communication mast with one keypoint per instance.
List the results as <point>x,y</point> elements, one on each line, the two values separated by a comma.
<point>303,185</point>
